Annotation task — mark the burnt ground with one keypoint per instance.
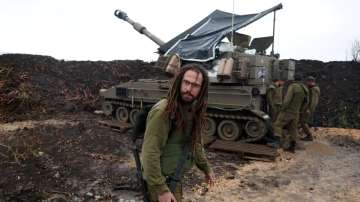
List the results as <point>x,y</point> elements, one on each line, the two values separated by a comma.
<point>68,157</point>
<point>53,149</point>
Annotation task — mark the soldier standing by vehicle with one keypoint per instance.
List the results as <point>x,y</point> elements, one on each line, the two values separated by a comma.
<point>295,100</point>
<point>274,98</point>
<point>172,141</point>
<point>306,115</point>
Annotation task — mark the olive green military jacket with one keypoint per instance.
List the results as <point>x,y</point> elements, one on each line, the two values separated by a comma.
<point>162,148</point>
<point>314,95</point>
<point>296,98</point>
<point>274,95</point>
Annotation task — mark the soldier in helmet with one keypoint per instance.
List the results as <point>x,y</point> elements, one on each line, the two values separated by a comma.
<point>295,99</point>
<point>306,115</point>
<point>274,98</point>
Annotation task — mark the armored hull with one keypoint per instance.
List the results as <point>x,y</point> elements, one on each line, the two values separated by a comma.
<point>234,112</point>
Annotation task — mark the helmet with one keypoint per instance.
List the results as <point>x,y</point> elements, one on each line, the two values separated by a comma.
<point>310,78</point>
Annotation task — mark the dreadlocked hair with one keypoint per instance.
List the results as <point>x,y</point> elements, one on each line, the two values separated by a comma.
<point>174,106</point>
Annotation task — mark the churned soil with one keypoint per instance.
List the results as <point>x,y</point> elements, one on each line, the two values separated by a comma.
<point>327,169</point>
<point>73,158</point>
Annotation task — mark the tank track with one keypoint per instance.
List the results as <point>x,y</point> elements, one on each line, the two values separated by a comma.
<point>216,114</point>
<point>242,118</point>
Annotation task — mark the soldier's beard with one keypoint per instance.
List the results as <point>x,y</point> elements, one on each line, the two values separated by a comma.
<point>187,97</point>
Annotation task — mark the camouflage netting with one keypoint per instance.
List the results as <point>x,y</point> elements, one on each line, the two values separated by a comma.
<point>32,86</point>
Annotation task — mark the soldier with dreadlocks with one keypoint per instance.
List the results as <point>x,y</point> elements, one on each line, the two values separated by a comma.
<point>172,124</point>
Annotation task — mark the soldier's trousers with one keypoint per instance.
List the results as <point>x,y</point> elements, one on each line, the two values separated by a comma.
<point>304,123</point>
<point>178,194</point>
<point>289,121</point>
<point>274,112</point>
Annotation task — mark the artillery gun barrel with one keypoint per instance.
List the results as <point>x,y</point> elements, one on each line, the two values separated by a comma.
<point>138,27</point>
<point>277,7</point>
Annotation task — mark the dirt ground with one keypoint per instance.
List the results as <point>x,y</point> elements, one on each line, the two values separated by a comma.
<point>73,158</point>
<point>69,157</point>
<point>327,169</point>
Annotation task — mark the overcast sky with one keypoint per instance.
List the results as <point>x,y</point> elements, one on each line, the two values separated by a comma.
<point>88,30</point>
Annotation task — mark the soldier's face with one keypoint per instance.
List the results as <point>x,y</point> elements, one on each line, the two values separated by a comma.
<point>191,85</point>
<point>310,83</point>
<point>280,82</point>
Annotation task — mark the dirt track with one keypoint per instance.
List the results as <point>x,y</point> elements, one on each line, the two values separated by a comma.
<point>74,159</point>
<point>326,170</point>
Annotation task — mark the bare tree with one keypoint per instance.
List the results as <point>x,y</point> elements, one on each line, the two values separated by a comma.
<point>355,51</point>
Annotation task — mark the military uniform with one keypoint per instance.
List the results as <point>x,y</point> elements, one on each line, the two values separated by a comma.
<point>294,101</point>
<point>274,100</point>
<point>306,115</point>
<point>163,147</point>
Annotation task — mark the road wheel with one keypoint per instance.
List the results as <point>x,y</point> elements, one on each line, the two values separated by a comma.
<point>122,114</point>
<point>107,108</point>
<point>133,115</point>
<point>208,132</point>
<point>228,130</point>
<point>255,128</point>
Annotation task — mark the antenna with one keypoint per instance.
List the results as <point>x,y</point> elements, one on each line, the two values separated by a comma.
<point>232,25</point>
<point>272,47</point>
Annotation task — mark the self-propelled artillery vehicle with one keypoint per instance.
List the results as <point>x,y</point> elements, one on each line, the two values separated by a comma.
<point>239,72</point>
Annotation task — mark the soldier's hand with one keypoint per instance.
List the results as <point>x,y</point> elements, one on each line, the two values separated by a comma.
<point>167,197</point>
<point>210,179</point>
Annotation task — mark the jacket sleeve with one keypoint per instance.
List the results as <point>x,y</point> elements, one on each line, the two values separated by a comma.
<point>200,157</point>
<point>288,97</point>
<point>270,95</point>
<point>315,98</point>
<point>156,134</point>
